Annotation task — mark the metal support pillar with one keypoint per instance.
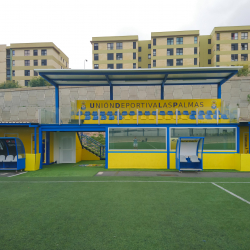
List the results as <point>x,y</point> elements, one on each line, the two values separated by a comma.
<point>35,139</point>
<point>162,92</point>
<point>111,92</point>
<point>41,146</point>
<point>57,103</point>
<point>219,91</point>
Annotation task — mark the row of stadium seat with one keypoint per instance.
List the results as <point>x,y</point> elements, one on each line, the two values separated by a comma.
<point>147,113</point>
<point>152,119</point>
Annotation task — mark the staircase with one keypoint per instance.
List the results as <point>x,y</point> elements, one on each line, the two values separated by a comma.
<point>92,146</point>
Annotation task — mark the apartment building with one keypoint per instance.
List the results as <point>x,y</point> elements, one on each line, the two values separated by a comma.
<point>18,61</point>
<point>225,46</point>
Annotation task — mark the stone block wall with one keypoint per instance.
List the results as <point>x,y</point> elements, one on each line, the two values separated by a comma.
<point>23,104</point>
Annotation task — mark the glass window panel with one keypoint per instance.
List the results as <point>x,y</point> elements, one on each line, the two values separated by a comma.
<point>215,138</point>
<point>143,138</point>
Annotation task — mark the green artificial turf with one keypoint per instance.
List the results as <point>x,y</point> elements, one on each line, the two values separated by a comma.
<point>122,215</point>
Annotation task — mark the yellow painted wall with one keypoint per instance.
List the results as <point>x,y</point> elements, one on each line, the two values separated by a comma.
<point>137,160</point>
<point>245,162</point>
<point>244,145</point>
<point>32,162</point>
<point>88,156</point>
<point>78,149</point>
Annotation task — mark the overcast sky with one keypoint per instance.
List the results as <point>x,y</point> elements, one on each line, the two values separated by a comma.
<point>72,24</point>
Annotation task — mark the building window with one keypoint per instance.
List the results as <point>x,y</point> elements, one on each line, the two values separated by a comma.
<point>170,41</point>
<point>13,52</point>
<point>119,65</point>
<point>14,72</point>
<point>218,36</point>
<point>149,46</point>
<point>154,63</point>
<point>96,66</point>
<point>149,66</point>
<point>195,61</point>
<point>139,67</point>
<point>26,82</point>
<point>96,57</point>
<point>195,50</point>
<point>234,57</point>
<point>179,52</point>
<point>209,41</point>
<point>35,62</point>
<point>134,55</point>
<point>134,45</point>
<point>234,36</point>
<point>179,40</point>
<point>95,46</point>
<point>110,56</point>
<point>154,41</point>
<point>35,73</point>
<point>179,62</point>
<point>44,52</point>
<point>244,35</point>
<point>118,56</point>
<point>217,47</point>
<point>149,56</point>
<point>44,62</point>
<point>217,58</point>
<point>209,51</point>
<point>154,52</point>
<point>234,46</point>
<point>35,52</point>
<point>209,61</point>
<point>170,52</point>
<point>139,59</point>
<point>26,52</point>
<point>244,57</point>
<point>244,46</point>
<point>195,39</point>
<point>13,62</point>
<point>8,73</point>
<point>118,45</point>
<point>27,72</point>
<point>110,46</point>
<point>134,65</point>
<point>170,62</point>
<point>26,62</point>
<point>8,63</point>
<point>110,66</point>
<point>139,49</point>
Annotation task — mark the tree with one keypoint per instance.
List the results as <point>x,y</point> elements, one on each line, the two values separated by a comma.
<point>9,85</point>
<point>38,82</point>
<point>244,71</point>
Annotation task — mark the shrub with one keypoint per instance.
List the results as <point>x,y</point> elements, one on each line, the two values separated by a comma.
<point>38,82</point>
<point>9,85</point>
<point>244,71</point>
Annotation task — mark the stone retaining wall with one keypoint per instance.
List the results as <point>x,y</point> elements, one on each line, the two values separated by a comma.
<point>23,104</point>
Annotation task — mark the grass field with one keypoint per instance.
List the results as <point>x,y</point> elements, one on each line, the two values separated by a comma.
<point>47,210</point>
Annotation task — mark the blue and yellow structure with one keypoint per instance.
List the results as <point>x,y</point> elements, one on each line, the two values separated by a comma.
<point>155,124</point>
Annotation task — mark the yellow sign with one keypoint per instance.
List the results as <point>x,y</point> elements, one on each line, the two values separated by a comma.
<point>144,105</point>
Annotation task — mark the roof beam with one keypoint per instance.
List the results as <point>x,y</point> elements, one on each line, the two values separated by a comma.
<point>108,80</point>
<point>49,80</point>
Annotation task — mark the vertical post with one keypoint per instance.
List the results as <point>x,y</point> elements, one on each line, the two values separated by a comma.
<point>111,92</point>
<point>118,116</point>
<point>57,104</point>
<point>196,116</point>
<point>41,146</point>
<point>219,91</point>
<point>35,139</point>
<point>176,115</point>
<point>106,146</point>
<point>156,116</point>
<point>217,116</point>
<point>162,92</point>
<point>47,147</point>
<point>238,139</point>
<point>168,148</point>
<point>79,114</point>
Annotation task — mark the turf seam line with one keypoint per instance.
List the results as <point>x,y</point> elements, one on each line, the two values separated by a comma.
<point>231,193</point>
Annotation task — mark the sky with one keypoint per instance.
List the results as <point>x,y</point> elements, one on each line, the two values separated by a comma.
<point>72,24</point>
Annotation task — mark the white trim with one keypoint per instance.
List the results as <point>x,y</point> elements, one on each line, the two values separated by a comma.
<point>248,202</point>
<point>137,128</point>
<point>236,144</point>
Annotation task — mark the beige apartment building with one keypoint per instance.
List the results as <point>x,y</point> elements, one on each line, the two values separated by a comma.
<point>225,46</point>
<point>19,61</point>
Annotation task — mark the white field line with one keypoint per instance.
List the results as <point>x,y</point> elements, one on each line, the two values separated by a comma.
<point>231,193</point>
<point>186,182</point>
<point>151,145</point>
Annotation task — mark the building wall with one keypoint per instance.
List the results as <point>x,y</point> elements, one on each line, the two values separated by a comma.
<point>145,51</point>
<point>2,63</point>
<point>23,104</point>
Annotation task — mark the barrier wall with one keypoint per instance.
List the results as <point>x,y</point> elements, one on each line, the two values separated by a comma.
<point>32,162</point>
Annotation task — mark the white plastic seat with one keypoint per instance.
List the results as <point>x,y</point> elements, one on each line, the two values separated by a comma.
<point>15,159</point>
<point>9,158</point>
<point>2,158</point>
<point>194,158</point>
<point>183,158</point>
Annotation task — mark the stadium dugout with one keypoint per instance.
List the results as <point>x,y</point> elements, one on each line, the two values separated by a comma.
<point>154,126</point>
